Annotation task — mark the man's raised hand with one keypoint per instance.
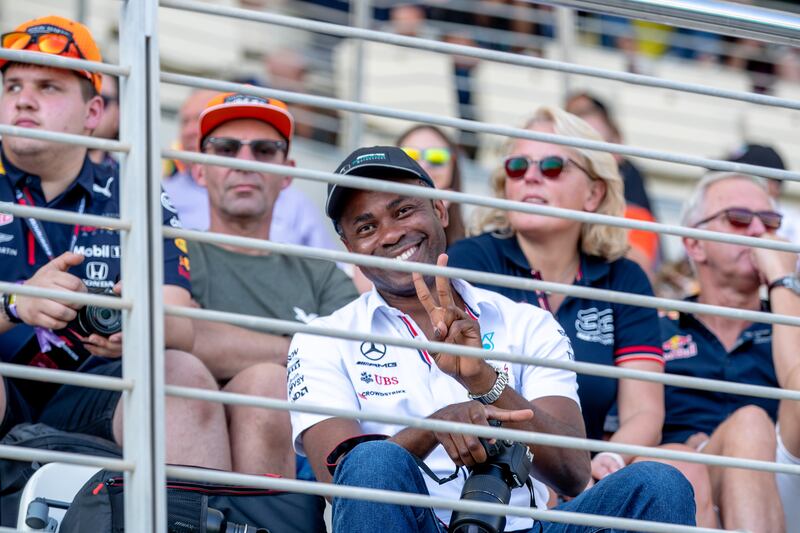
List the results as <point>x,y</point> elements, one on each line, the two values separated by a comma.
<point>451,324</point>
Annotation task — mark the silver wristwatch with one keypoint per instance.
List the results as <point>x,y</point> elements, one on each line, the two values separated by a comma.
<point>496,390</point>
<point>791,282</point>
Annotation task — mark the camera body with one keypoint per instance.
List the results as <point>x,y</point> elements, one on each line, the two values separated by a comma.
<point>508,467</point>
<point>95,319</point>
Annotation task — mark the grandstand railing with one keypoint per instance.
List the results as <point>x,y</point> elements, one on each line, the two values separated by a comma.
<point>143,384</point>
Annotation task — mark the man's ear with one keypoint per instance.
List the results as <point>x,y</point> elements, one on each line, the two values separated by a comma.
<point>198,172</point>
<point>287,180</point>
<point>94,112</point>
<point>695,249</point>
<point>441,212</point>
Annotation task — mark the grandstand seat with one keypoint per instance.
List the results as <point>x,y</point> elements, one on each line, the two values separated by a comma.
<point>54,481</point>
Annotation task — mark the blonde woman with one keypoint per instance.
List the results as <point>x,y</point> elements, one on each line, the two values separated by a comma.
<point>591,255</point>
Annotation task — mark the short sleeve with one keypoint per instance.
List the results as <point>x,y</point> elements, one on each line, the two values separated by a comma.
<point>546,339</point>
<point>336,289</point>
<point>315,376</point>
<point>637,336</point>
<point>177,270</point>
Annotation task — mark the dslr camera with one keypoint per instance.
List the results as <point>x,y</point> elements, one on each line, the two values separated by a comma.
<point>508,467</point>
<point>95,319</point>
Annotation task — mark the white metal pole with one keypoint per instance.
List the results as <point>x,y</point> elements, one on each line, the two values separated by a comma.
<point>143,336</point>
<point>359,18</point>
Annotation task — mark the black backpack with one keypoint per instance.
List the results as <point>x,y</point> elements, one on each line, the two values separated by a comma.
<point>198,508</point>
<point>15,474</point>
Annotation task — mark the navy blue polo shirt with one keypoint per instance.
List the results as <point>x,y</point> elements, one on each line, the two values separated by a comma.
<point>96,187</point>
<point>600,332</point>
<point>690,349</point>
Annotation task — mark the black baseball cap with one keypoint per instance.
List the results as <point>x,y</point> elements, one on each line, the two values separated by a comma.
<point>379,162</point>
<point>759,155</point>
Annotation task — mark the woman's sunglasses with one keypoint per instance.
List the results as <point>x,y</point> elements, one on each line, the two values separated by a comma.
<point>264,150</point>
<point>49,43</point>
<point>550,167</point>
<point>433,156</point>
<point>741,217</point>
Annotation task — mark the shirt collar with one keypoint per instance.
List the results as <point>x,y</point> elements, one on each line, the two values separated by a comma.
<point>17,176</point>
<point>592,268</point>
<point>476,304</point>
<point>687,319</point>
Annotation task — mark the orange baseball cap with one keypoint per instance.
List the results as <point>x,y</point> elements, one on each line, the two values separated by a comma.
<point>231,106</point>
<point>64,37</point>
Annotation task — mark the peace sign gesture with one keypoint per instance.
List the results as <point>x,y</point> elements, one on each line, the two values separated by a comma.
<point>451,324</point>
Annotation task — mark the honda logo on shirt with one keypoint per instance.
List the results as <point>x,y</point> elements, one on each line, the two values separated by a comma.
<point>96,270</point>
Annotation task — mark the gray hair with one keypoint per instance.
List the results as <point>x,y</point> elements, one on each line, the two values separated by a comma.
<point>694,210</point>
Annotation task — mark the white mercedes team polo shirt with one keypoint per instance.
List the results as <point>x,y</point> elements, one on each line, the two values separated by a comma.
<point>364,376</point>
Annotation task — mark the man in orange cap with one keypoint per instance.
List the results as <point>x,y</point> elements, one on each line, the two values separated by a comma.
<point>43,332</point>
<point>242,280</point>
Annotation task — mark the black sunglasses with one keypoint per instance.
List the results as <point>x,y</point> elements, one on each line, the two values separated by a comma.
<point>264,150</point>
<point>550,167</point>
<point>741,217</point>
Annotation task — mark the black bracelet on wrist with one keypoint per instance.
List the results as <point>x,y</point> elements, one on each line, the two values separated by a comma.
<point>10,316</point>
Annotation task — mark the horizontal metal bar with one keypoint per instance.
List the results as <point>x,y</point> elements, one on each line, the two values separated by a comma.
<point>474,276</point>
<point>478,126</point>
<point>95,143</point>
<point>480,53</point>
<point>725,18</point>
<point>56,61</point>
<point>20,453</point>
<point>610,371</point>
<point>417,500</point>
<point>84,298</point>
<point>483,201</point>
<point>518,435</point>
<point>63,217</point>
<point>64,377</point>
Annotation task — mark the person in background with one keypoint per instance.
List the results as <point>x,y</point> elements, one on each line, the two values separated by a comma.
<point>583,254</point>
<point>733,350</point>
<point>295,219</point>
<point>766,156</point>
<point>644,244</point>
<point>434,151</point>
<point>109,122</point>
<point>237,279</point>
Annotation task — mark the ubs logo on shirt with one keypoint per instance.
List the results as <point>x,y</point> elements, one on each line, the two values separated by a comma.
<point>593,325</point>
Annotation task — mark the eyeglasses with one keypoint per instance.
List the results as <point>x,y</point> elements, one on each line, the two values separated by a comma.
<point>741,217</point>
<point>108,100</point>
<point>432,156</point>
<point>49,43</point>
<point>264,150</point>
<point>551,166</point>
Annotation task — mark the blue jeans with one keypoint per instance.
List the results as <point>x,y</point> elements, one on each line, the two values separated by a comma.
<point>644,491</point>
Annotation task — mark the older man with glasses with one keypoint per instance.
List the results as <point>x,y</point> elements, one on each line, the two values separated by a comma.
<point>735,350</point>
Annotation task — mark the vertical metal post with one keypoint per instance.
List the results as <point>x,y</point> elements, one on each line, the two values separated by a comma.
<point>359,18</point>
<point>82,10</point>
<point>142,269</point>
<point>565,33</point>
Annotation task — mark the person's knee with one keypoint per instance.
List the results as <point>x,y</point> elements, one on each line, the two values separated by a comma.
<point>186,370</point>
<point>753,421</point>
<point>659,479</point>
<point>264,379</point>
<point>372,463</point>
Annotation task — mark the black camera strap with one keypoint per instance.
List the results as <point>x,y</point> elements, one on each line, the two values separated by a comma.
<point>430,473</point>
